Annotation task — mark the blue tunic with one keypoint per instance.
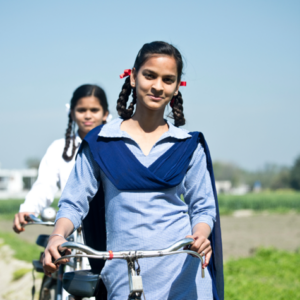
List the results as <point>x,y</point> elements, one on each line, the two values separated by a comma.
<point>147,220</point>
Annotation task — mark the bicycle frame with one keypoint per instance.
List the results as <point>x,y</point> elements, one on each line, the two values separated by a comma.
<point>78,263</point>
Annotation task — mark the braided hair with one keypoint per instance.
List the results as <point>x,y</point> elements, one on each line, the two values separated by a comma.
<point>85,90</point>
<point>144,54</point>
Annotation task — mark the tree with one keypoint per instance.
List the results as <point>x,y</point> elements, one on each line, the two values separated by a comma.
<point>295,174</point>
<point>33,163</point>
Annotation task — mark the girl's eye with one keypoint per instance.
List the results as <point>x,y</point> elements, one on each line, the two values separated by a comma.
<point>149,76</point>
<point>80,110</point>
<point>95,110</point>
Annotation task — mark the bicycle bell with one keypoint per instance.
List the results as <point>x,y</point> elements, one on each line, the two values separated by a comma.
<point>48,214</point>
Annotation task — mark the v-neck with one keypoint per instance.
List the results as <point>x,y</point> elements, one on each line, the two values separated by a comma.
<point>131,155</point>
<point>113,130</point>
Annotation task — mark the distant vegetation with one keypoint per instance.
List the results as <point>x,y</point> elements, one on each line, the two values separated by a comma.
<point>273,201</point>
<point>8,208</point>
<point>270,177</point>
<point>280,201</point>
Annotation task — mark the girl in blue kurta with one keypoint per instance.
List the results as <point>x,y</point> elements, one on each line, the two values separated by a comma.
<point>139,166</point>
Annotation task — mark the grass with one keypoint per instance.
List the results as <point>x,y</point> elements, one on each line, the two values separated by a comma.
<point>278,202</point>
<point>8,208</point>
<point>22,249</point>
<point>269,274</point>
<point>18,274</point>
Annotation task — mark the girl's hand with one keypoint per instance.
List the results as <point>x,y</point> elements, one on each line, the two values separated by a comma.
<point>52,253</point>
<point>202,246</point>
<point>19,220</point>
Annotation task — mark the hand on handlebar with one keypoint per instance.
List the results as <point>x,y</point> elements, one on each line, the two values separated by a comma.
<point>202,246</point>
<point>19,220</point>
<point>52,253</point>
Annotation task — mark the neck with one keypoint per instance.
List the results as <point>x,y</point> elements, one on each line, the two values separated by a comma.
<point>148,121</point>
<point>82,134</point>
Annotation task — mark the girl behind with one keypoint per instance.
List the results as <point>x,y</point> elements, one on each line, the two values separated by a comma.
<point>88,109</point>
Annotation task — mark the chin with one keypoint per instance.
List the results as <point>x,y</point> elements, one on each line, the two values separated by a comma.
<point>156,106</point>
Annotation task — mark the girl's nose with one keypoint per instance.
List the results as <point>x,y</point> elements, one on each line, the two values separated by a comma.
<point>158,85</point>
<point>88,114</point>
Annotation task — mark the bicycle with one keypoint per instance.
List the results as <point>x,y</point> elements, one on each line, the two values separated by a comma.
<point>86,283</point>
<point>51,288</point>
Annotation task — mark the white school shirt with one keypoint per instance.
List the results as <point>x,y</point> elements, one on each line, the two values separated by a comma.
<point>53,174</point>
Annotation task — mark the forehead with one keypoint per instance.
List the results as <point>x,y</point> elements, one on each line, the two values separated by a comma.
<point>90,101</point>
<point>162,64</point>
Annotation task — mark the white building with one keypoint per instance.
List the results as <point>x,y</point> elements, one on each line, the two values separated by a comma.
<point>223,187</point>
<point>16,183</point>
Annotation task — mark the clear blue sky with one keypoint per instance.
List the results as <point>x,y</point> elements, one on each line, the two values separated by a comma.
<point>242,69</point>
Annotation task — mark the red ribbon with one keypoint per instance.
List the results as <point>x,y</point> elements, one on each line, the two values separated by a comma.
<point>111,255</point>
<point>172,102</point>
<point>126,73</point>
<point>182,83</point>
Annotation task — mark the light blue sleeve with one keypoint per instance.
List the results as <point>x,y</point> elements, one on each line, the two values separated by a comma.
<point>81,188</point>
<point>198,193</point>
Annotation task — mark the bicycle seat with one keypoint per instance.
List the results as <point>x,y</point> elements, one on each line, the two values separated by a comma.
<point>82,283</point>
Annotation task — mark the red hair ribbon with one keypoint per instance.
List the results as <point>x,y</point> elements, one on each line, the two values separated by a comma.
<point>182,83</point>
<point>126,73</point>
<point>172,102</point>
<point>111,255</point>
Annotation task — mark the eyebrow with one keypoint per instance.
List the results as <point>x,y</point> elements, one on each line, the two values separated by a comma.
<point>168,75</point>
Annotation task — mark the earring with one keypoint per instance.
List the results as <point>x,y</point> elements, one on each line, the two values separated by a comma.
<point>132,84</point>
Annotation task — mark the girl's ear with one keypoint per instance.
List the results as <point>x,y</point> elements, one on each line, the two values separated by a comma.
<point>177,89</point>
<point>133,78</point>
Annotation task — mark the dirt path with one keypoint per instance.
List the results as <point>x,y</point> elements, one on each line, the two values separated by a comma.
<point>18,289</point>
<point>241,235</point>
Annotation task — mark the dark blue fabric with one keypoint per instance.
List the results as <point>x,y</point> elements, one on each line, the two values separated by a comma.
<point>127,173</point>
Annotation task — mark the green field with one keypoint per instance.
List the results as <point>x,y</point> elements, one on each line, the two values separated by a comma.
<point>8,208</point>
<point>22,249</point>
<point>271,201</point>
<point>269,274</point>
<point>279,202</point>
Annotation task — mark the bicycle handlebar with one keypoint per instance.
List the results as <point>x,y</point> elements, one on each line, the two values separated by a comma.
<point>129,255</point>
<point>33,220</point>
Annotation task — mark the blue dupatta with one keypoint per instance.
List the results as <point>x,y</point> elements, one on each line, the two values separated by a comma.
<point>127,173</point>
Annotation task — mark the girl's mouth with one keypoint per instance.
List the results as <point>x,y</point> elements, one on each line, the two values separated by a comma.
<point>152,97</point>
<point>88,123</point>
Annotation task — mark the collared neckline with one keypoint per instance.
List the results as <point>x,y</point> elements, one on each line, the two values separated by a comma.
<point>113,130</point>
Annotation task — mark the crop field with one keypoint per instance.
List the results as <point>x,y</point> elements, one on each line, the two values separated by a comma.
<point>267,201</point>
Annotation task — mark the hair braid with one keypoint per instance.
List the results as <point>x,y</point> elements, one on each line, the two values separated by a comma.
<point>124,112</point>
<point>177,110</point>
<point>69,136</point>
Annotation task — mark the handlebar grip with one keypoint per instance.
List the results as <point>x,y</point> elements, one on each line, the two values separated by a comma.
<point>62,253</point>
